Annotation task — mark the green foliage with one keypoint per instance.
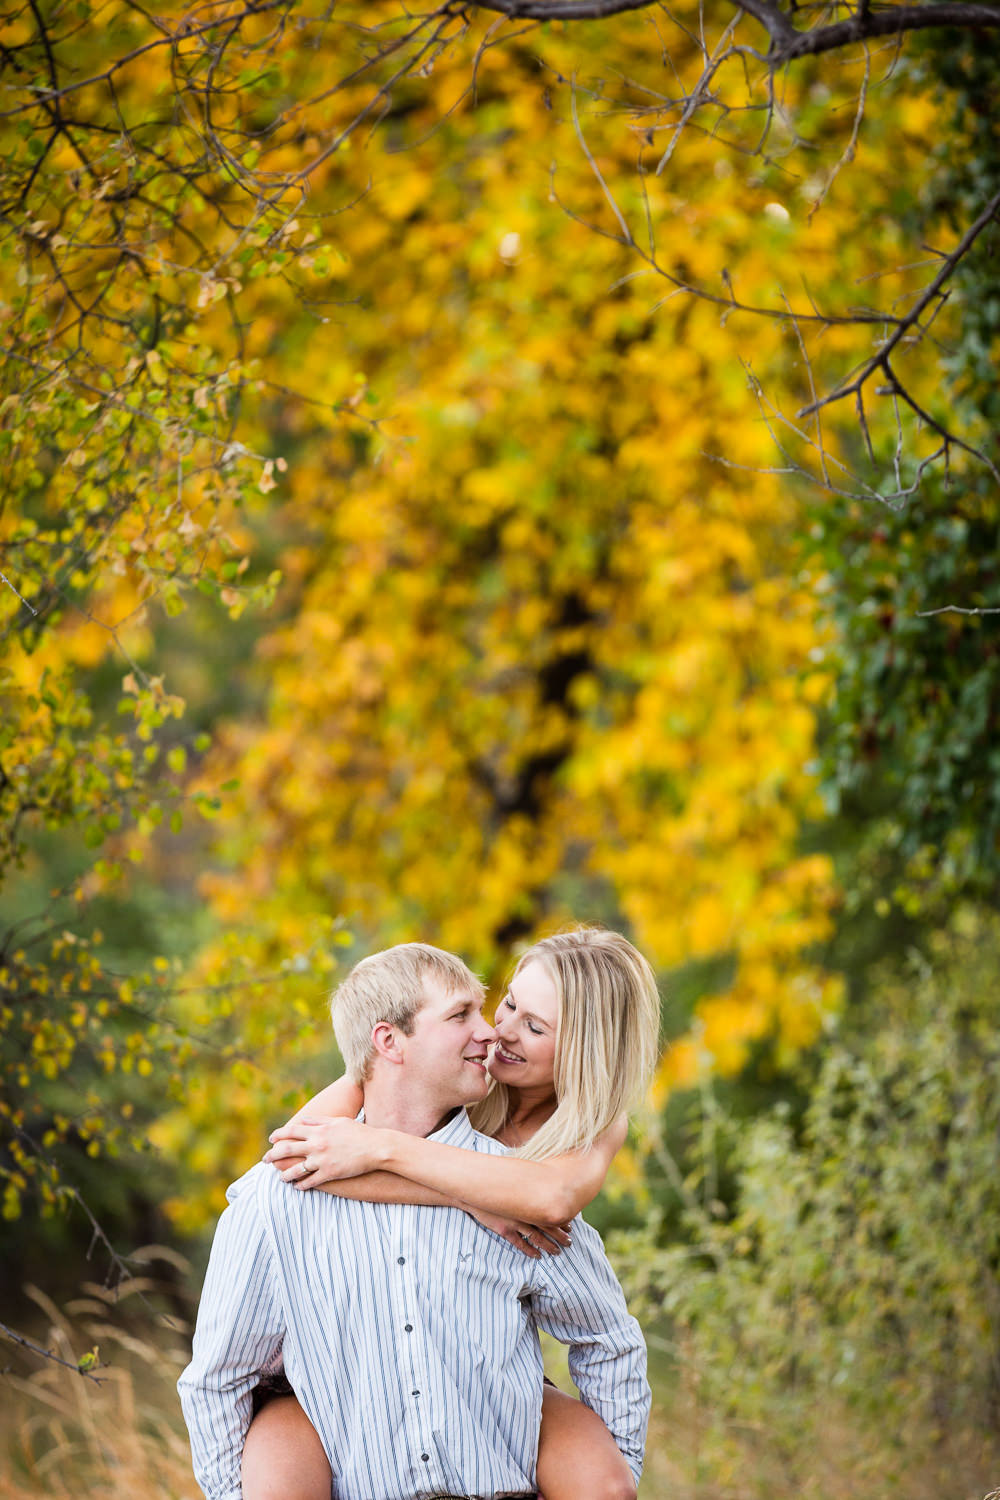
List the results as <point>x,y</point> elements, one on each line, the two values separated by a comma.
<point>916,712</point>
<point>861,1257</point>
<point>128,498</point>
<point>917,705</point>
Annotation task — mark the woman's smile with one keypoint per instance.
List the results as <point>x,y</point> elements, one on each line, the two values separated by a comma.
<point>527,1020</point>
<point>504,1054</point>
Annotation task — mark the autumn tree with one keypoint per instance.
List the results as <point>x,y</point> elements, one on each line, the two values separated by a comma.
<point>550,658</point>
<point>298,299</point>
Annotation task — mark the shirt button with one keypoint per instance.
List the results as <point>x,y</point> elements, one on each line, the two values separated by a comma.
<point>426,1457</point>
<point>408,1327</point>
<point>414,1393</point>
<point>401,1261</point>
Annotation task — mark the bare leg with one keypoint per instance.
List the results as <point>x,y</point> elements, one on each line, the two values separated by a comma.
<point>283,1458</point>
<point>577,1454</point>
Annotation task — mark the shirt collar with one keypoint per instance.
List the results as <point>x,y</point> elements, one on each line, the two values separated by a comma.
<point>456,1131</point>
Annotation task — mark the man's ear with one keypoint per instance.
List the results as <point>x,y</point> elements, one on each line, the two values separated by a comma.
<point>385,1040</point>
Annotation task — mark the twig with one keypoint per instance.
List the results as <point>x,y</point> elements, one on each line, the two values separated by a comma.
<point>43,1353</point>
<point>954,609</point>
<point>13,590</point>
<point>184,33</point>
<point>906,324</point>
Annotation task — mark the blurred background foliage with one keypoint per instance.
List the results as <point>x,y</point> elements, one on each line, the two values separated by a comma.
<point>415,557</point>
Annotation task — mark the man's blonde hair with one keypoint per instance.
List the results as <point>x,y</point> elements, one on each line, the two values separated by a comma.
<point>607,1039</point>
<point>391,986</point>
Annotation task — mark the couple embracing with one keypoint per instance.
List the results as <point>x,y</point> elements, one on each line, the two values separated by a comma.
<point>369,1322</point>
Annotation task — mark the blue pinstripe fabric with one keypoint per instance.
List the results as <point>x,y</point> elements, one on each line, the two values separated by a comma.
<point>409,1335</point>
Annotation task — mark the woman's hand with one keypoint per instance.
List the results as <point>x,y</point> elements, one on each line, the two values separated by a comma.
<point>530,1239</point>
<point>308,1152</point>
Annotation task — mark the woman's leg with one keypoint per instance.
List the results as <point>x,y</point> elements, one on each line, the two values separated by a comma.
<point>577,1454</point>
<point>283,1458</point>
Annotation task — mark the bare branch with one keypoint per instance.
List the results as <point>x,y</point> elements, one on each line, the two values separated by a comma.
<point>905,325</point>
<point>185,32</point>
<point>954,609</point>
<point>42,1353</point>
<point>850,149</point>
<point>698,93</point>
<point>787,42</point>
<point>6,580</point>
<point>626,233</point>
<point>892,21</point>
<point>555,10</point>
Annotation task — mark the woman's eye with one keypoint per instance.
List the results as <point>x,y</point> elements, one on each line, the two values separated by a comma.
<point>535,1030</point>
<point>508,1002</point>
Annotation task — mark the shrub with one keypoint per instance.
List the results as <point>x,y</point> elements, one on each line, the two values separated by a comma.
<point>859,1263</point>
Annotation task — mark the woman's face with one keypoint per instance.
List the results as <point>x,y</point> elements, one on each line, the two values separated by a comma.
<point>526,1021</point>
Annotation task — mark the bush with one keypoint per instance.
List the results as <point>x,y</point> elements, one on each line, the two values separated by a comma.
<point>858,1267</point>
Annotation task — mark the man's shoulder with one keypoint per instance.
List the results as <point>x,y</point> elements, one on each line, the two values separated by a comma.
<point>246,1189</point>
<point>263,1186</point>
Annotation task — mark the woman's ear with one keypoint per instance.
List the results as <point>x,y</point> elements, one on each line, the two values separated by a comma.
<point>385,1040</point>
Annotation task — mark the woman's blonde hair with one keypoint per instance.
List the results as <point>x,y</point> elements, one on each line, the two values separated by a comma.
<point>606,1039</point>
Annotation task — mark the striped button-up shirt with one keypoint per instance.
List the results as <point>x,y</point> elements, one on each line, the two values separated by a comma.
<point>409,1335</point>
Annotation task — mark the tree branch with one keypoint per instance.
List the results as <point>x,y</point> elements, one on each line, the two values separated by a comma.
<point>186,32</point>
<point>866,26</point>
<point>787,42</point>
<point>906,325</point>
<point>954,609</point>
<point>79,1368</point>
<point>556,10</point>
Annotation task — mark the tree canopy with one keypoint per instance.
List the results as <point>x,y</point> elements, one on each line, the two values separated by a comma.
<point>410,401</point>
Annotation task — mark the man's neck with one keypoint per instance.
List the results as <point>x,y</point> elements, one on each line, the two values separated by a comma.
<point>389,1105</point>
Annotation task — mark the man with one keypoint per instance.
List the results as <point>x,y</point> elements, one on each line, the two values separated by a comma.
<point>408,1333</point>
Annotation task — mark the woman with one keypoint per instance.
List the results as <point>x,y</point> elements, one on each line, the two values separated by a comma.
<point>576,1039</point>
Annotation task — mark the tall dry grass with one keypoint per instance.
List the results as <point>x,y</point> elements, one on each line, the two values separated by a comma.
<point>119,1435</point>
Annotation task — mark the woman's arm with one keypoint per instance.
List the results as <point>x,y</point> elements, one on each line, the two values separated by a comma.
<point>533,1240</point>
<point>546,1193</point>
<point>342,1100</point>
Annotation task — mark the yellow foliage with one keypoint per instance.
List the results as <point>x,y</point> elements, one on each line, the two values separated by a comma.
<point>544,650</point>
<point>549,660</point>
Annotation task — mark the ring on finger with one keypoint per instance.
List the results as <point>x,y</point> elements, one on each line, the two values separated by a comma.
<point>303,1168</point>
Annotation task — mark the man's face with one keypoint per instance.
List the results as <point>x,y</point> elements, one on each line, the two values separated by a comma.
<point>445,1058</point>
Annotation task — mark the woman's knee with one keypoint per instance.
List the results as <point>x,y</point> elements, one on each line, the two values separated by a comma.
<point>600,1481</point>
<point>577,1454</point>
<point>615,1487</point>
<point>612,1483</point>
<point>283,1458</point>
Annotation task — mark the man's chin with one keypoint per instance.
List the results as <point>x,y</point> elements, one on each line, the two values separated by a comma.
<point>477,1084</point>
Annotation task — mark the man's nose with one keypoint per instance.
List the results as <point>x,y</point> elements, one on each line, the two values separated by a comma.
<point>484,1031</point>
